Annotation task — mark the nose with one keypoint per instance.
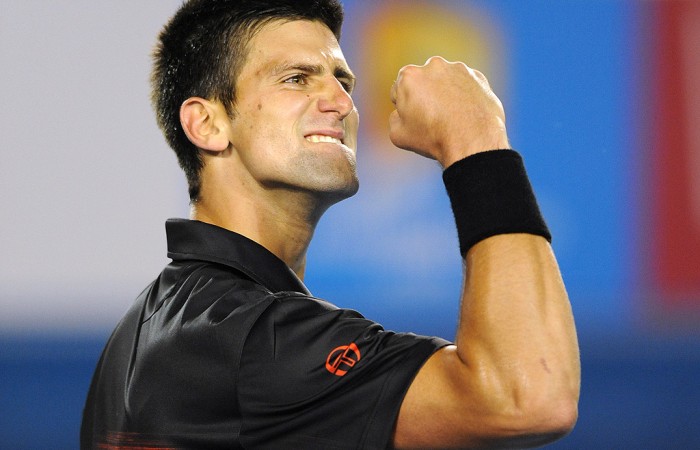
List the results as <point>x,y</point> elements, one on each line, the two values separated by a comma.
<point>335,98</point>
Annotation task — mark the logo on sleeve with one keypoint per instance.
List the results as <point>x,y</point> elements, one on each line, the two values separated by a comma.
<point>343,358</point>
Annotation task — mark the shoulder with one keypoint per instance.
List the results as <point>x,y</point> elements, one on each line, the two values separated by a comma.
<point>310,370</point>
<point>196,287</point>
<point>317,344</point>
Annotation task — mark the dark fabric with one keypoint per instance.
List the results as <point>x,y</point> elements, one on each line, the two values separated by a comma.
<point>491,194</point>
<point>227,349</point>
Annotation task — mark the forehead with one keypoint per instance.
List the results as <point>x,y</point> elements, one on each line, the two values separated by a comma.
<point>295,41</point>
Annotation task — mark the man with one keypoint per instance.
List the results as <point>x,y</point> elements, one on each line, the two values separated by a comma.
<point>227,348</point>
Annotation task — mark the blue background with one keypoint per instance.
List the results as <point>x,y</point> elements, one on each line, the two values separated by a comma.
<point>576,77</point>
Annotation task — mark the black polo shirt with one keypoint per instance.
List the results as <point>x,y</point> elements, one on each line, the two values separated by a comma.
<point>228,349</point>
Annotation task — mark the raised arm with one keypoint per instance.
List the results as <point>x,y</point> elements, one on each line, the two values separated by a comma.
<point>513,377</point>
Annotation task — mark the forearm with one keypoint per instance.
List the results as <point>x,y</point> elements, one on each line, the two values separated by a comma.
<point>516,340</point>
<point>516,329</point>
<point>512,380</point>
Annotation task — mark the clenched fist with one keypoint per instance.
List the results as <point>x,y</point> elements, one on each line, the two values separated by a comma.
<point>445,111</point>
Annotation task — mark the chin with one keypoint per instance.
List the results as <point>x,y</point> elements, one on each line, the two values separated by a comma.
<point>340,192</point>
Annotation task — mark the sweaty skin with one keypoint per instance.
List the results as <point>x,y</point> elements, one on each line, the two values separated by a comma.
<point>270,172</point>
<point>288,154</point>
<point>513,377</point>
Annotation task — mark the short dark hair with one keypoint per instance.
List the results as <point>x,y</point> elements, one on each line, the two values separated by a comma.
<point>200,53</point>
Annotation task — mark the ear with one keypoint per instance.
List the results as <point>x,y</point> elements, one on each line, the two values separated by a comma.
<point>205,123</point>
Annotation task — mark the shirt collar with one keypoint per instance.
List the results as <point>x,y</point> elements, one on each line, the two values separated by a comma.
<point>191,239</point>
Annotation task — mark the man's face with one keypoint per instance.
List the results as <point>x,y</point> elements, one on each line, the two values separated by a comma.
<point>295,124</point>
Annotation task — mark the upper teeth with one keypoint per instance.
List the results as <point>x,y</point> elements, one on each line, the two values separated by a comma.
<point>322,138</point>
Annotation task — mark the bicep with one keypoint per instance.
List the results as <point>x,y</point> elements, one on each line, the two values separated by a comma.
<point>449,404</point>
<point>430,408</point>
<point>456,404</point>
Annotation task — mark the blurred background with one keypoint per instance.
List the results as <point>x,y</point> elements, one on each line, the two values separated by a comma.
<point>602,98</point>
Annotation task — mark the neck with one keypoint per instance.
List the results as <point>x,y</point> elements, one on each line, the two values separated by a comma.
<point>282,222</point>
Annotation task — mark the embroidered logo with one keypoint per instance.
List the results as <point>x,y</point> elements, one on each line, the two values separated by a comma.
<point>343,358</point>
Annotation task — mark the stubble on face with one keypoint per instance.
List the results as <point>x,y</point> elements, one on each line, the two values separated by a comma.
<point>295,126</point>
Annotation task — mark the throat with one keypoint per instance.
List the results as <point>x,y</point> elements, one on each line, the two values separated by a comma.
<point>285,233</point>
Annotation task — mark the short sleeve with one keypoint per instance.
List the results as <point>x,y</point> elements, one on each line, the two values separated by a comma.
<point>316,376</point>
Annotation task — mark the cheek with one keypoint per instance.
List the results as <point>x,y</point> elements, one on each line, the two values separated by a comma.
<point>269,136</point>
<point>254,125</point>
<point>352,125</point>
<point>279,116</point>
<point>270,124</point>
<point>354,120</point>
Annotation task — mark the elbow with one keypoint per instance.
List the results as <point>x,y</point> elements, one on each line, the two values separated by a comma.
<point>546,408</point>
<point>558,420</point>
<point>531,418</point>
<point>542,422</point>
<point>567,415</point>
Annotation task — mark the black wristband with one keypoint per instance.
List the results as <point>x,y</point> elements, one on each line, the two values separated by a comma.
<point>491,194</point>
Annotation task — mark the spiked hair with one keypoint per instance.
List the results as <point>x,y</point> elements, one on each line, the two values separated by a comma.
<point>200,53</point>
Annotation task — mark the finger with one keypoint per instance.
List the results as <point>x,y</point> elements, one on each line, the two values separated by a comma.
<point>395,86</point>
<point>435,58</point>
<point>397,131</point>
<point>480,77</point>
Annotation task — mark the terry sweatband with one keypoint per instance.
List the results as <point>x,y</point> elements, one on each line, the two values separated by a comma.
<point>491,194</point>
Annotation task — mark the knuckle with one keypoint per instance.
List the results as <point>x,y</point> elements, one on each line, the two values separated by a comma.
<point>436,60</point>
<point>410,68</point>
<point>479,76</point>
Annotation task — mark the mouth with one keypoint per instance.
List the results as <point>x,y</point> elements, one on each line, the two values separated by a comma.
<point>315,138</point>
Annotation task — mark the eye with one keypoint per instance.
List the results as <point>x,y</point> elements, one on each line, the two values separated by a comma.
<point>347,85</point>
<point>298,78</point>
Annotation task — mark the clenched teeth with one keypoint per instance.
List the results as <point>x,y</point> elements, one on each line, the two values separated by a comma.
<point>322,138</point>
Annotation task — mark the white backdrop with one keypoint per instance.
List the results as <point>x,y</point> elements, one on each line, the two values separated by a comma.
<point>86,179</point>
